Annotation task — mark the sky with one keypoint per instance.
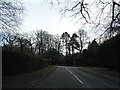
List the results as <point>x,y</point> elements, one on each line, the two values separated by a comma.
<point>42,15</point>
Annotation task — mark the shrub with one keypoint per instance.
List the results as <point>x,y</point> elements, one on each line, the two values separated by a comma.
<point>16,62</point>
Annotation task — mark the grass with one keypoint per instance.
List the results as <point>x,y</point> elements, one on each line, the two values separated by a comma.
<point>23,79</point>
<point>39,71</point>
<point>105,71</point>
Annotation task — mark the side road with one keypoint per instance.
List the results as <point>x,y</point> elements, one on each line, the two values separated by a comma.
<point>25,79</point>
<point>102,72</point>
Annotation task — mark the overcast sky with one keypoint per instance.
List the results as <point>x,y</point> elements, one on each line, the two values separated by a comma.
<point>42,15</point>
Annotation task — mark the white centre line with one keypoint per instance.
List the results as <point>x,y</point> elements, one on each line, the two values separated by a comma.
<point>78,79</point>
<point>69,70</point>
<point>74,75</point>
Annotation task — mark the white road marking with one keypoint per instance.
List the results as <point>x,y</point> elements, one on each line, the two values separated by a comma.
<point>74,75</point>
<point>78,79</point>
<point>69,70</point>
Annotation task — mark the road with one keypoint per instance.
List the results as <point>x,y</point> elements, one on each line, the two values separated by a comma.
<point>71,77</point>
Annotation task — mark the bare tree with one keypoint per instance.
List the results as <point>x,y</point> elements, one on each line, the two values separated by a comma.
<point>41,41</point>
<point>10,14</point>
<point>57,43</point>
<point>78,8</point>
<point>22,42</point>
<point>66,38</point>
<point>83,39</point>
<point>104,15</point>
<point>32,41</point>
<point>73,8</point>
<point>115,17</point>
<point>50,41</point>
<point>9,39</point>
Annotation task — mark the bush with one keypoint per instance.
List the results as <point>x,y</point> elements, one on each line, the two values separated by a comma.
<point>16,62</point>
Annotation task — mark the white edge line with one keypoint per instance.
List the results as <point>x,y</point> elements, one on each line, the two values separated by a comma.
<point>78,79</point>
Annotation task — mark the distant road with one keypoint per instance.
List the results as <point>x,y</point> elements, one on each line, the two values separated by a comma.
<point>71,77</point>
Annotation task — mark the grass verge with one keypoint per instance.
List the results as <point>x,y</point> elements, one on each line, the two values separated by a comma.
<point>104,71</point>
<point>40,71</point>
<point>21,80</point>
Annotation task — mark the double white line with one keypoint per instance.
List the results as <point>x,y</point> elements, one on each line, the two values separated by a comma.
<point>74,75</point>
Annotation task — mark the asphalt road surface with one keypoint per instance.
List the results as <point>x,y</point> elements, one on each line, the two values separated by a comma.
<point>71,77</point>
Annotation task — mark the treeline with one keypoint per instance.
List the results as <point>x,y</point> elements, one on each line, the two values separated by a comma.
<point>43,44</point>
<point>36,42</point>
<point>105,54</point>
<point>27,52</point>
